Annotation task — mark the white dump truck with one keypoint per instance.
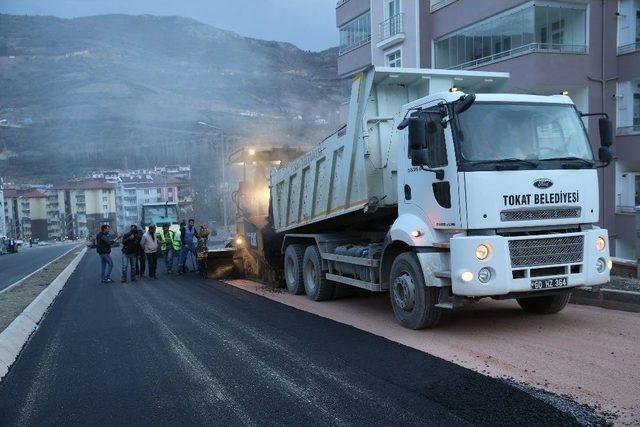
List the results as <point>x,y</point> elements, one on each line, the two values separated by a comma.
<point>439,197</point>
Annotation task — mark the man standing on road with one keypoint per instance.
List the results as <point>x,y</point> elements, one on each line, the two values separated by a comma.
<point>188,246</point>
<point>149,245</point>
<point>169,245</point>
<point>103,247</point>
<point>129,253</point>
<point>140,267</point>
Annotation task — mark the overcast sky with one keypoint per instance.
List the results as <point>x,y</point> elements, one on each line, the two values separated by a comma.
<point>309,24</point>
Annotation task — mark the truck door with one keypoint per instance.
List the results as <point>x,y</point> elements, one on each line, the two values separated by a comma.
<point>424,193</point>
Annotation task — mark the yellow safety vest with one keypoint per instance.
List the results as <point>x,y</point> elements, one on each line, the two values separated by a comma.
<point>163,241</point>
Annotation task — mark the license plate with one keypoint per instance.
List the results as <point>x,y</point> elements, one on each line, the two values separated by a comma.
<point>556,282</point>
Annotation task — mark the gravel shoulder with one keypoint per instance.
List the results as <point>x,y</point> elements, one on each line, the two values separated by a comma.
<point>14,301</point>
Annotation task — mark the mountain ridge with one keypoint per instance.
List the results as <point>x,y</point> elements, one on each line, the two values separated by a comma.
<point>113,90</point>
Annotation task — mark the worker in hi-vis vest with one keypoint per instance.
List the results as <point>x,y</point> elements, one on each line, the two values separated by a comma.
<point>169,246</point>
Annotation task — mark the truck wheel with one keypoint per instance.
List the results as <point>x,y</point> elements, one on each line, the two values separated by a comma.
<point>293,269</point>
<point>545,305</point>
<point>316,285</point>
<point>414,303</point>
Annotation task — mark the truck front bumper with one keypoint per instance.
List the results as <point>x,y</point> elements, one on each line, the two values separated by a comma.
<point>528,263</point>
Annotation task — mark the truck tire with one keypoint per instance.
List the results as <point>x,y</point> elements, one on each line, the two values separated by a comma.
<point>316,285</point>
<point>293,269</point>
<point>548,304</point>
<point>414,303</point>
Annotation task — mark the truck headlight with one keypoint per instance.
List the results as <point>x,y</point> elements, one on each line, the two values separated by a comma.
<point>601,265</point>
<point>482,251</point>
<point>601,243</point>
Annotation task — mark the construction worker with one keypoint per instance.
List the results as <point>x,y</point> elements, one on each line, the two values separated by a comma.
<point>187,234</point>
<point>169,246</point>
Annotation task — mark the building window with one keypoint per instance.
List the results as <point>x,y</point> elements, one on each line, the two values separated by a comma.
<point>558,28</point>
<point>105,207</point>
<point>355,33</point>
<point>394,59</point>
<point>104,199</point>
<point>628,26</point>
<point>146,191</point>
<point>628,107</point>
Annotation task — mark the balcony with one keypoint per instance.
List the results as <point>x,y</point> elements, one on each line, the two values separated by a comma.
<point>522,50</point>
<point>560,28</point>
<point>355,33</point>
<point>628,48</point>
<point>391,31</point>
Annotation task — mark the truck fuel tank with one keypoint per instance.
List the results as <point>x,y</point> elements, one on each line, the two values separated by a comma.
<point>359,272</point>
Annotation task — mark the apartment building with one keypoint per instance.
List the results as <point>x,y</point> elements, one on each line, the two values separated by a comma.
<point>25,213</point>
<point>589,49</point>
<point>77,209</point>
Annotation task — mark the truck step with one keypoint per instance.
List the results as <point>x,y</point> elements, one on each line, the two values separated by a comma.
<point>445,274</point>
<point>374,287</point>
<point>449,301</point>
<point>450,305</point>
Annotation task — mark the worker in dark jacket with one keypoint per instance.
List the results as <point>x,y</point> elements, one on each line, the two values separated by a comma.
<point>130,253</point>
<point>104,240</point>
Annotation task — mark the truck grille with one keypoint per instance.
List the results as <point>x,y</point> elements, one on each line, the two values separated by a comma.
<point>540,214</point>
<point>546,251</point>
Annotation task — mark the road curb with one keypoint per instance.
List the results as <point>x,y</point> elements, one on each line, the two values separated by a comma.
<point>13,285</point>
<point>608,298</point>
<point>16,335</point>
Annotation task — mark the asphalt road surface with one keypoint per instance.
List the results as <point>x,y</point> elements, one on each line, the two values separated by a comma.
<point>184,350</point>
<point>14,267</point>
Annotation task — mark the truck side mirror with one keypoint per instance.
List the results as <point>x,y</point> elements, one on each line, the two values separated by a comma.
<point>419,157</point>
<point>417,133</point>
<point>606,132</point>
<point>464,103</point>
<point>605,155</point>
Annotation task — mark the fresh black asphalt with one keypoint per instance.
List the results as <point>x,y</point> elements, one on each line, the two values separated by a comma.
<point>14,267</point>
<point>189,351</point>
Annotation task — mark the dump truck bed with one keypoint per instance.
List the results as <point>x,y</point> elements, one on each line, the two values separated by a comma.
<point>356,166</point>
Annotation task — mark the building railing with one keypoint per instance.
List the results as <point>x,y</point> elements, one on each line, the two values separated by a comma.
<point>624,209</point>
<point>439,4</point>
<point>392,26</point>
<point>528,48</point>
<point>348,48</point>
<point>628,48</point>
<point>628,130</point>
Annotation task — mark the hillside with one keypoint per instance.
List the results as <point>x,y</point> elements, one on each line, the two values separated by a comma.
<point>119,91</point>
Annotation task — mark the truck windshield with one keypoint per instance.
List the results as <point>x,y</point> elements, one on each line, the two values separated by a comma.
<point>160,214</point>
<point>526,135</point>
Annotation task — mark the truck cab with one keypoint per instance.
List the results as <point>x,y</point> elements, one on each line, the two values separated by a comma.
<point>502,197</point>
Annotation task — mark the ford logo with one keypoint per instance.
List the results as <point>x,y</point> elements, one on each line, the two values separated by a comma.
<point>542,183</point>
